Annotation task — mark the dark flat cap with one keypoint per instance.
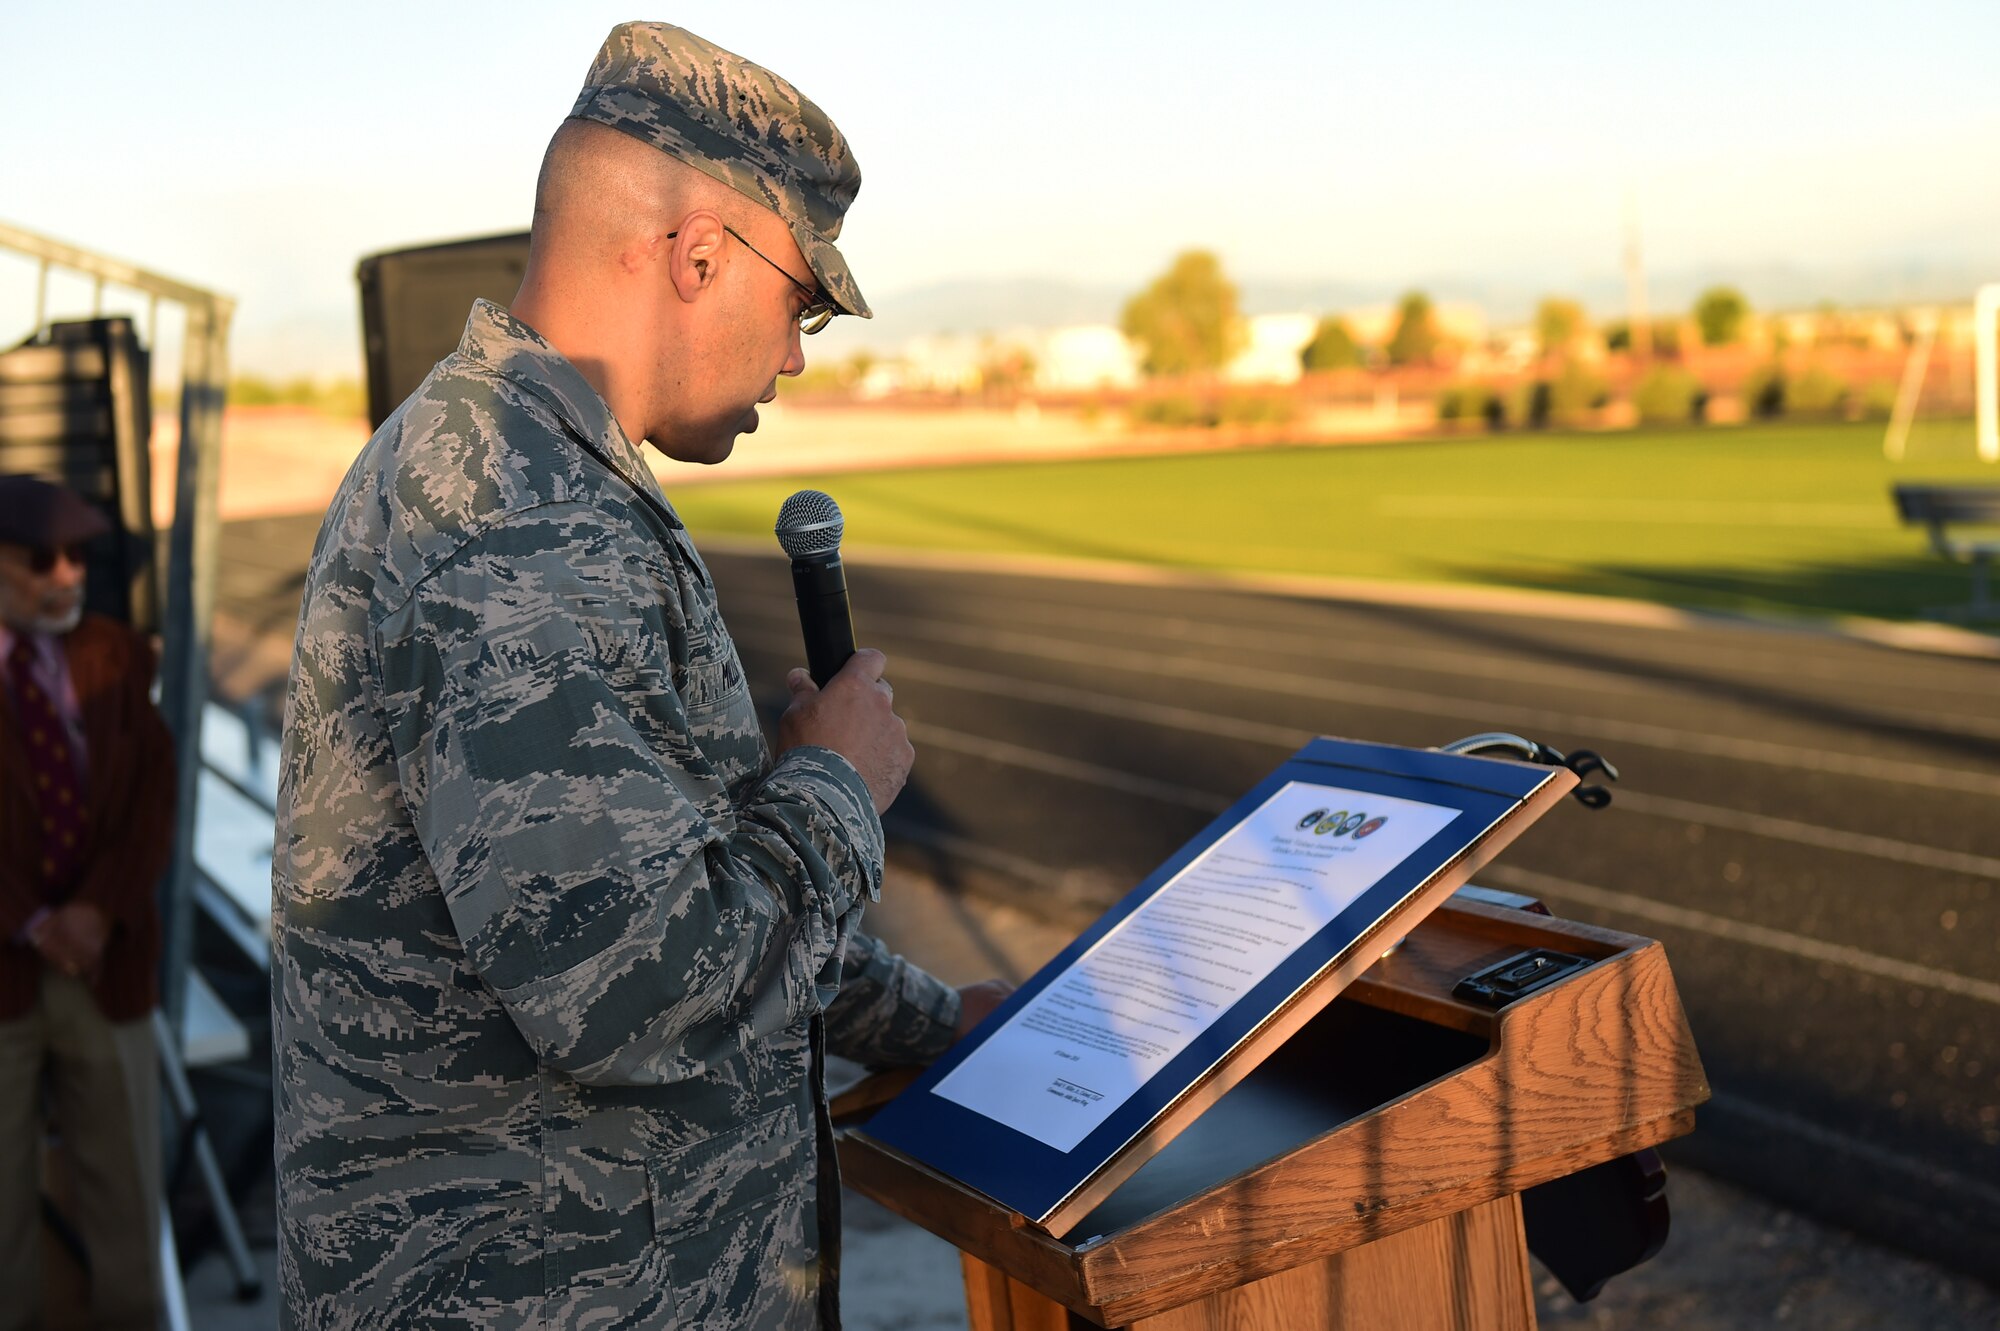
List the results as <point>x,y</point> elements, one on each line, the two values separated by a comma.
<point>34,512</point>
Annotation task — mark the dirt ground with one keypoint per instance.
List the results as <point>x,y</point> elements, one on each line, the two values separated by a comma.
<point>1734,1262</point>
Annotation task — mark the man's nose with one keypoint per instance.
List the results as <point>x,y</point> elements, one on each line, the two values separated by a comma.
<point>795,363</point>
<point>68,569</point>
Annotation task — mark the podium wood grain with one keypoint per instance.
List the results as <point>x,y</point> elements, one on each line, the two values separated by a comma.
<point>1466,1272</point>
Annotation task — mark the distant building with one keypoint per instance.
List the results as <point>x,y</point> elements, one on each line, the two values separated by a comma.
<point>1271,350</point>
<point>885,378</point>
<point>945,363</point>
<point>1884,332</point>
<point>1802,329</point>
<point>1085,357</point>
<point>1881,330</point>
<point>1506,351</point>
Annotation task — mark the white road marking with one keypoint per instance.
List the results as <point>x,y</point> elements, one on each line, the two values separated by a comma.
<point>1100,704</point>
<point>1807,834</point>
<point>1598,730</point>
<point>1939,639</point>
<point>1036,760</point>
<point>1792,1125</point>
<point>1287,738</point>
<point>1738,931</point>
<point>1504,875</point>
<point>1474,663</point>
<point>1655,512</point>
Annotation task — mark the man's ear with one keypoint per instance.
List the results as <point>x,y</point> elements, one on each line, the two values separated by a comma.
<point>695,259</point>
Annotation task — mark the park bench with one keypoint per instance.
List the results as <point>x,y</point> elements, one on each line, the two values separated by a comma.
<point>1940,508</point>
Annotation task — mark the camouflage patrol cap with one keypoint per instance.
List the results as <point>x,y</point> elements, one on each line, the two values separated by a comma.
<point>735,121</point>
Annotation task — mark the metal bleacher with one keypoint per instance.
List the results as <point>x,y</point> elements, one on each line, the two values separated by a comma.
<point>76,407</point>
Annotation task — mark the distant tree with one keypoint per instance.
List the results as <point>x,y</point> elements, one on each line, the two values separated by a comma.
<point>1575,396</point>
<point>1415,341</point>
<point>1666,336</point>
<point>1333,347</point>
<point>1764,391</point>
<point>345,398</point>
<point>1472,402</point>
<point>1186,322</point>
<point>1558,324</point>
<point>1720,313</point>
<point>1817,392</point>
<point>334,397</point>
<point>1005,368</point>
<point>250,390</point>
<point>1668,395</point>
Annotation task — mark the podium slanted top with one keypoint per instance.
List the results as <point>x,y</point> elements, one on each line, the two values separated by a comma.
<point>1207,966</point>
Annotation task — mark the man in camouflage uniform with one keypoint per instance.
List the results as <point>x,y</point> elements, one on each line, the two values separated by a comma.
<point>558,943</point>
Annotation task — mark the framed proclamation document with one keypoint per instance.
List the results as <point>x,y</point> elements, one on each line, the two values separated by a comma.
<point>1220,955</point>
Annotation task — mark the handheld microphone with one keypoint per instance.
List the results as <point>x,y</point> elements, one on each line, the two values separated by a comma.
<point>809,528</point>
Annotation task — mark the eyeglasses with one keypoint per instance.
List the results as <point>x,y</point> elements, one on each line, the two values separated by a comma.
<point>42,558</point>
<point>819,310</point>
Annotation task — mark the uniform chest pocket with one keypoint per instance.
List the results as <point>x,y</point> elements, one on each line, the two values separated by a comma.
<point>707,672</point>
<point>731,1215</point>
<point>703,1184</point>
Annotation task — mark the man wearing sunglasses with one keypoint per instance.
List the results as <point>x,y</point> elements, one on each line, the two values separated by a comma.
<point>560,943</point>
<point>86,819</point>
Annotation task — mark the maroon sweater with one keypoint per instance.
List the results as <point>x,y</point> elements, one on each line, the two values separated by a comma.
<point>128,822</point>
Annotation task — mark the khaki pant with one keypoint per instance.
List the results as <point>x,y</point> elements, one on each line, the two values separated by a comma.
<point>99,1081</point>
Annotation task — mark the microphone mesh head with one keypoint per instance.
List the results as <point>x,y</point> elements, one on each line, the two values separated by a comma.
<point>810,525</point>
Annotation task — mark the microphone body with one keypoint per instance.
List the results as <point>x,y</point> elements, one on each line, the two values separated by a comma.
<point>824,617</point>
<point>809,528</point>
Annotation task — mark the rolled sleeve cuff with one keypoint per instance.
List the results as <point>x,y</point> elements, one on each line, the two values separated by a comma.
<point>934,1007</point>
<point>891,1013</point>
<point>841,810</point>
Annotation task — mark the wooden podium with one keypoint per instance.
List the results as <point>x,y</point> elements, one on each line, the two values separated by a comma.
<point>1368,1173</point>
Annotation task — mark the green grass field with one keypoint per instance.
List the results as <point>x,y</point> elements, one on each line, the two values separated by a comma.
<point>1789,519</point>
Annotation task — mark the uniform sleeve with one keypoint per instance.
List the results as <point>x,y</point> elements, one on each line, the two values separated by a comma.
<point>890,1013</point>
<point>637,923</point>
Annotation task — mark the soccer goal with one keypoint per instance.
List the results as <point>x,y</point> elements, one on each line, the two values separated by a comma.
<point>1949,398</point>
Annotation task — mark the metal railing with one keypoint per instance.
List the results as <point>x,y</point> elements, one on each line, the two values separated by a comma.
<point>189,576</point>
<point>190,564</point>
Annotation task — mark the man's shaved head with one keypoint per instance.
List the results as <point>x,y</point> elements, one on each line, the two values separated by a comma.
<point>602,190</point>
<point>656,280</point>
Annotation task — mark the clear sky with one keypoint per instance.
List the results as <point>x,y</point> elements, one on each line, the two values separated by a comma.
<point>262,149</point>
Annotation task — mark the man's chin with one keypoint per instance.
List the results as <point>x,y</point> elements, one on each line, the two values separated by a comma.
<point>706,453</point>
<point>708,446</point>
<point>58,624</point>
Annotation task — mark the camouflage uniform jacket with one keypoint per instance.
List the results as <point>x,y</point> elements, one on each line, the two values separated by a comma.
<point>554,938</point>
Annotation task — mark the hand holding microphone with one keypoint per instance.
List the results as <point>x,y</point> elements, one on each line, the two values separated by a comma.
<point>840,702</point>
